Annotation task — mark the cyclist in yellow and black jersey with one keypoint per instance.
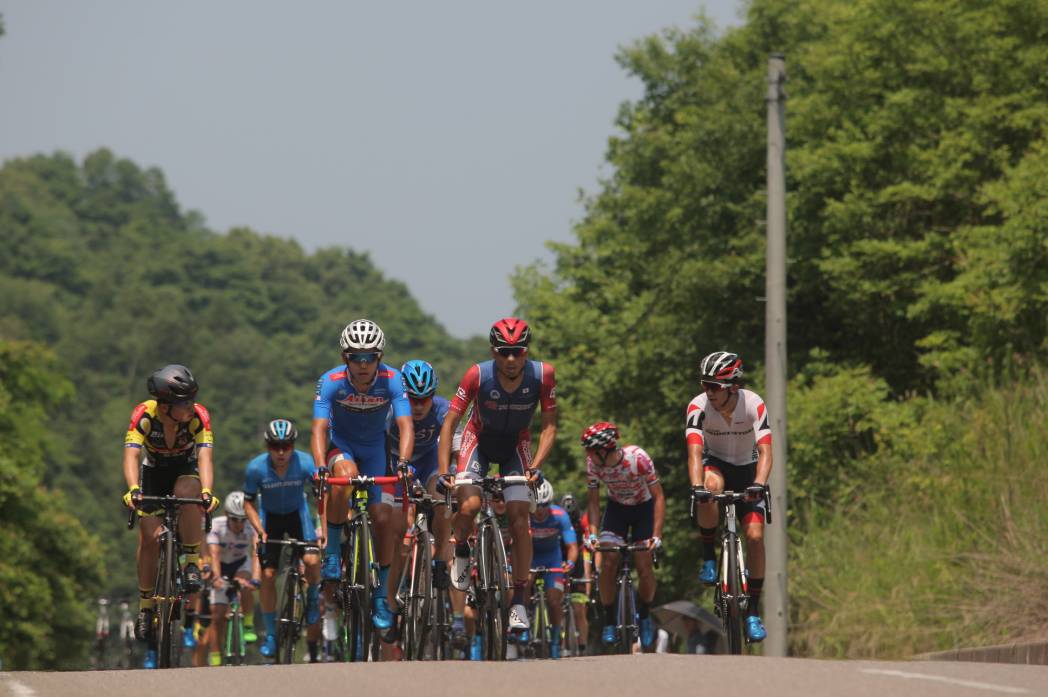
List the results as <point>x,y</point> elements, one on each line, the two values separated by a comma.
<point>167,450</point>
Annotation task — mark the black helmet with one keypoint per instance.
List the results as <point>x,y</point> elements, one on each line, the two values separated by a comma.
<point>281,431</point>
<point>172,383</point>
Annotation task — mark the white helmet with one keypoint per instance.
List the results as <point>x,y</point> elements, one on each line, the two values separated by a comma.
<point>544,494</point>
<point>362,335</point>
<point>234,504</point>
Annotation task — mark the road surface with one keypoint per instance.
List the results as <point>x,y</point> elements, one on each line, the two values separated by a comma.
<point>605,676</point>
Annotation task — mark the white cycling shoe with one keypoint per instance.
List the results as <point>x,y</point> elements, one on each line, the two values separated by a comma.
<point>460,568</point>
<point>518,618</point>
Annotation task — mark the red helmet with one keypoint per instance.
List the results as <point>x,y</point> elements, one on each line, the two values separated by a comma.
<point>510,331</point>
<point>602,434</point>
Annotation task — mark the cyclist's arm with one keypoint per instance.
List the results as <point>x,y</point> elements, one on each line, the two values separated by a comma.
<point>205,468</point>
<point>406,426</point>
<point>573,553</point>
<point>763,463</point>
<point>594,509</point>
<point>131,462</point>
<point>660,508</point>
<point>447,435</point>
<point>318,441</point>
<point>252,515</point>
<point>546,438</point>
<point>695,464</point>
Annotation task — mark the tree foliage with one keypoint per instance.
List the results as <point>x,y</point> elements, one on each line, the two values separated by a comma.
<point>917,232</point>
<point>103,266</point>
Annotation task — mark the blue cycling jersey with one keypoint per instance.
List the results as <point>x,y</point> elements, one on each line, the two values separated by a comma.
<point>547,535</point>
<point>427,430</point>
<point>359,417</point>
<point>280,495</point>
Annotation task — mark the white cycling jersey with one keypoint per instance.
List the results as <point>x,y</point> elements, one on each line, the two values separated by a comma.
<point>234,547</point>
<point>735,442</point>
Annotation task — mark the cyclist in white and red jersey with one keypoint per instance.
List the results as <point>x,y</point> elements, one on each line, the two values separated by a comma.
<point>504,392</point>
<point>729,448</point>
<point>635,512</point>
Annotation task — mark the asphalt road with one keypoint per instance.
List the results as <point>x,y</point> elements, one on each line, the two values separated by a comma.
<point>609,676</point>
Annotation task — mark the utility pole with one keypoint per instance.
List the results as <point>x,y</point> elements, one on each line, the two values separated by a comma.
<point>776,598</point>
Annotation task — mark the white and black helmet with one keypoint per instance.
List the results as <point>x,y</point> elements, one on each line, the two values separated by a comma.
<point>722,368</point>
<point>234,505</point>
<point>281,431</point>
<point>544,493</point>
<point>362,335</point>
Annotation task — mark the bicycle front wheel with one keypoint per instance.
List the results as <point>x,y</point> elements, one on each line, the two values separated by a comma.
<point>164,607</point>
<point>287,619</point>
<point>493,580</point>
<point>417,611</point>
<point>571,629</point>
<point>732,610</point>
<point>627,616</point>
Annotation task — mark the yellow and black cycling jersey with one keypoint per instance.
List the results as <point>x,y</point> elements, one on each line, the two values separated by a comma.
<point>146,431</point>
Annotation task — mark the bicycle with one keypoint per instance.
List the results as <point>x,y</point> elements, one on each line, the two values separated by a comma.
<point>426,621</point>
<point>169,589</point>
<point>571,627</point>
<point>234,647</point>
<point>541,638</point>
<point>292,611</point>
<point>127,635</point>
<point>731,592</point>
<point>98,656</point>
<point>626,596</point>
<point>359,567</point>
<point>491,582</point>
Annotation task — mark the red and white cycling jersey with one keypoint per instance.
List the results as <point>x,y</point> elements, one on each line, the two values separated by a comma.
<point>736,442</point>
<point>629,481</point>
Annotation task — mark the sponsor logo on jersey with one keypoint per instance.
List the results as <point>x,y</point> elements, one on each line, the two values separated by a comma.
<point>495,394</point>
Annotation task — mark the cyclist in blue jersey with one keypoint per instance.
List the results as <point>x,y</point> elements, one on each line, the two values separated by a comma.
<point>281,477</point>
<point>350,408</point>
<point>427,414</point>
<point>551,527</point>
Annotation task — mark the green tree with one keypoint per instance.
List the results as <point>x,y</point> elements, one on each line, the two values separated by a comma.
<point>50,566</point>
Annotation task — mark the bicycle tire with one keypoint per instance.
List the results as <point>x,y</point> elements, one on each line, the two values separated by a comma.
<point>162,609</point>
<point>500,605</point>
<point>732,611</point>
<point>362,575</point>
<point>416,612</point>
<point>571,628</point>
<point>541,631</point>
<point>287,631</point>
<point>235,648</point>
<point>627,615</point>
<point>494,642</point>
<point>441,632</point>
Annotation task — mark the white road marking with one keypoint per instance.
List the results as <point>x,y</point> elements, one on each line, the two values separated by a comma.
<point>951,681</point>
<point>17,688</point>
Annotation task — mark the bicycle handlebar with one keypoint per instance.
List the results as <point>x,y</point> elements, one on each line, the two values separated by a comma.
<point>551,570</point>
<point>260,548</point>
<point>734,497</point>
<point>361,480</point>
<point>168,502</point>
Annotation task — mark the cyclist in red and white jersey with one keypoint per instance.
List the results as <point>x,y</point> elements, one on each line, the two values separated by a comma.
<point>729,447</point>
<point>635,513</point>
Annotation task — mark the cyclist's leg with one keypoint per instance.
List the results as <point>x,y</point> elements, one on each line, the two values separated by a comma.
<point>471,466</point>
<point>518,508</point>
<point>642,524</point>
<point>614,530</point>
<point>713,480</point>
<point>246,571</point>
<point>751,519</point>
<point>156,481</point>
<point>190,518</point>
<point>555,601</point>
<point>342,463</point>
<point>305,531</point>
<point>276,526</point>
<point>219,608</point>
<point>387,528</point>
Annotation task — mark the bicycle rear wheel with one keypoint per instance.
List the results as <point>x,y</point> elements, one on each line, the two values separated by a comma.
<point>571,629</point>
<point>440,634</point>
<point>732,611</point>
<point>287,624</point>
<point>540,631</point>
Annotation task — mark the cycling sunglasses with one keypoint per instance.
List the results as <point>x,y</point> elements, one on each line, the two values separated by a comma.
<point>510,350</point>
<point>419,400</point>
<point>281,447</point>
<point>712,386</point>
<point>369,357</point>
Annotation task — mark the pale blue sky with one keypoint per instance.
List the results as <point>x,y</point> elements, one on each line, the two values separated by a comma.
<point>447,139</point>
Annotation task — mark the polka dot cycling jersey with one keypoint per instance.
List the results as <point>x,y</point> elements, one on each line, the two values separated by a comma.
<point>736,442</point>
<point>629,479</point>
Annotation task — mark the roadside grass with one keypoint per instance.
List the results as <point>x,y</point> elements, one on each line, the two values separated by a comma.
<point>944,546</point>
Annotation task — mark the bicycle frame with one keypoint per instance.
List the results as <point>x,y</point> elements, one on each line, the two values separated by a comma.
<point>626,597</point>
<point>234,646</point>
<point>291,615</point>
<point>541,627</point>
<point>425,607</point>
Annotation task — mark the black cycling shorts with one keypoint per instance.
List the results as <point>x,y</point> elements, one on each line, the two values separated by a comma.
<point>277,524</point>
<point>737,478</point>
<point>159,480</point>
<point>631,523</point>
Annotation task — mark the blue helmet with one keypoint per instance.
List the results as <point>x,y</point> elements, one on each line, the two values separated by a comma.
<point>419,379</point>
